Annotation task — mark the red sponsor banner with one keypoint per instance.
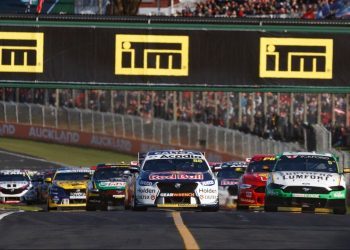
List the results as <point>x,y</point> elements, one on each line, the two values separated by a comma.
<point>176,176</point>
<point>95,140</point>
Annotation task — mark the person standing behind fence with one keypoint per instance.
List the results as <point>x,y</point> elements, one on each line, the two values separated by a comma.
<point>28,6</point>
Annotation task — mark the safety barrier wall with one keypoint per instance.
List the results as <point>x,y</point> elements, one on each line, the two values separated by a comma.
<point>130,134</point>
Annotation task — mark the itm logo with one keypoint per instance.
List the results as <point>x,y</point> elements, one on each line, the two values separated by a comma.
<point>21,52</point>
<point>296,58</point>
<point>151,55</point>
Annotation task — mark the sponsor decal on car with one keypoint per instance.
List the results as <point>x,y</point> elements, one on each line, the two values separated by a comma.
<point>177,195</point>
<point>306,195</point>
<point>176,176</point>
<point>228,182</point>
<point>207,191</point>
<point>146,191</point>
<point>208,197</point>
<point>305,175</point>
<point>112,184</point>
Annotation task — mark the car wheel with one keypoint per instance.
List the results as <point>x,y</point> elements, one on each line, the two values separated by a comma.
<point>239,207</point>
<point>341,210</point>
<point>90,207</point>
<point>137,208</point>
<point>210,209</point>
<point>268,207</point>
<point>48,208</point>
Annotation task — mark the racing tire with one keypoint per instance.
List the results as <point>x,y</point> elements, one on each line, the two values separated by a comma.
<point>239,207</point>
<point>138,208</point>
<point>339,210</point>
<point>268,207</point>
<point>48,208</point>
<point>211,209</point>
<point>90,207</point>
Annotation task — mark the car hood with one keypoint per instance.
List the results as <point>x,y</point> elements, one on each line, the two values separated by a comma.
<point>256,179</point>
<point>71,184</point>
<point>175,176</point>
<point>111,185</point>
<point>306,178</point>
<point>13,184</point>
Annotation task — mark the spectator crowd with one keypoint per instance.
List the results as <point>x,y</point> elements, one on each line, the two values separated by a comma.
<point>279,116</point>
<point>306,9</point>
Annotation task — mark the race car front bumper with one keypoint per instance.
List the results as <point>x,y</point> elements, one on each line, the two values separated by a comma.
<point>251,197</point>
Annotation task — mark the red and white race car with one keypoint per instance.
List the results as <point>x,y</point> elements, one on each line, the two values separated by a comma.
<point>251,188</point>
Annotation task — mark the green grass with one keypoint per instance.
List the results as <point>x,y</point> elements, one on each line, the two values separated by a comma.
<point>68,155</point>
<point>20,207</point>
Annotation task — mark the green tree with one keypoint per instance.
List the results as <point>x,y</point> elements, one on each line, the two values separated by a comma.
<point>123,7</point>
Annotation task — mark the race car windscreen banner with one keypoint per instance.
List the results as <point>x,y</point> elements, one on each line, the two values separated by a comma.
<point>189,57</point>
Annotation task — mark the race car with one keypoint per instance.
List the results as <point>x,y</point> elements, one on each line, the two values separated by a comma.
<point>176,179</point>
<point>251,188</point>
<point>228,174</point>
<point>68,188</point>
<point>14,184</point>
<point>307,180</point>
<point>33,194</point>
<point>106,189</point>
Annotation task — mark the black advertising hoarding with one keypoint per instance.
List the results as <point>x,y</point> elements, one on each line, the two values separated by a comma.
<point>189,57</point>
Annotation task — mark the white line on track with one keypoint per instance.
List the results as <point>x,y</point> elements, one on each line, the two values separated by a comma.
<point>30,158</point>
<point>242,218</point>
<point>7,214</point>
<point>52,6</point>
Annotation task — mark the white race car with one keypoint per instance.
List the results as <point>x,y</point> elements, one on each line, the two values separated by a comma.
<point>175,178</point>
<point>306,180</point>
<point>14,184</point>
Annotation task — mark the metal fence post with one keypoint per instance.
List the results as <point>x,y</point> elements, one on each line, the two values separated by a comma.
<point>43,114</point>
<point>16,112</point>
<point>103,123</point>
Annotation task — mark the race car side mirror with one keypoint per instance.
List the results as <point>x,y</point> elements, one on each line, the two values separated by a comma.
<point>48,180</point>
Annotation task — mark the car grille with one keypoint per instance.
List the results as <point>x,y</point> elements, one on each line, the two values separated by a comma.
<point>12,191</point>
<point>68,191</point>
<point>170,187</point>
<point>306,190</point>
<point>260,189</point>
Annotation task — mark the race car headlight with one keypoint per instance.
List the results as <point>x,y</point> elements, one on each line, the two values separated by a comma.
<point>275,186</point>
<point>145,183</point>
<point>244,186</point>
<point>208,183</point>
<point>337,188</point>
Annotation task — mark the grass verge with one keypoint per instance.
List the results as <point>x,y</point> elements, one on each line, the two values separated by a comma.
<point>30,208</point>
<point>68,155</point>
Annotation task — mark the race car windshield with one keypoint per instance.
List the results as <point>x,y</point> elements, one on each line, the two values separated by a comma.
<point>304,163</point>
<point>260,166</point>
<point>13,177</point>
<point>108,173</point>
<point>193,165</point>
<point>79,176</point>
<point>228,173</point>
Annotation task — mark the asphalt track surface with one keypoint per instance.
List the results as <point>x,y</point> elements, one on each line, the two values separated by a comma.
<point>167,229</point>
<point>10,160</point>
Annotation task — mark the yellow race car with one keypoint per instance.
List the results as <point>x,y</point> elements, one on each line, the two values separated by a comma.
<point>68,188</point>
